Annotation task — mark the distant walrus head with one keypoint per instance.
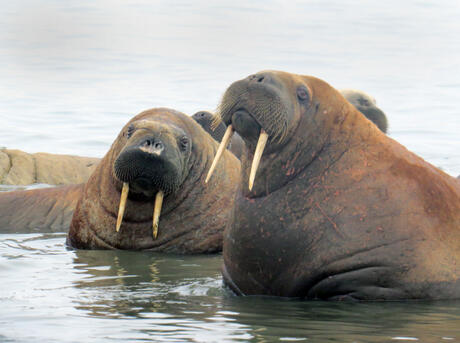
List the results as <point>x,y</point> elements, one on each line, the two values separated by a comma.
<point>206,119</point>
<point>367,106</point>
<point>216,128</point>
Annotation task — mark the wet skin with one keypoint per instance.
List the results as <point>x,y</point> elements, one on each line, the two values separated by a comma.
<point>338,210</point>
<point>158,150</point>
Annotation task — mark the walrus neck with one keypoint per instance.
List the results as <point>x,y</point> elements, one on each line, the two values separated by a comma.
<point>311,157</point>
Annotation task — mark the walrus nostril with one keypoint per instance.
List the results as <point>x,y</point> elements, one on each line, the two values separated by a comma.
<point>261,78</point>
<point>158,146</point>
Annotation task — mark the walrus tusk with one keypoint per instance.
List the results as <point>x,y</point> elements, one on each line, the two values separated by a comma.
<point>263,137</point>
<point>223,145</point>
<point>156,212</point>
<point>121,209</point>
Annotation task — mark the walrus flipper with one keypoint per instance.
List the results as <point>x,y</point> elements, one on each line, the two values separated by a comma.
<point>38,210</point>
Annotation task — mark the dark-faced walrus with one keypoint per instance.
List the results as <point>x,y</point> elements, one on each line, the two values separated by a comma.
<point>367,106</point>
<point>335,209</point>
<point>159,154</point>
<point>207,119</point>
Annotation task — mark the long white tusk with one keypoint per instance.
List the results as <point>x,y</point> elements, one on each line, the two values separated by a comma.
<point>263,137</point>
<point>156,212</point>
<point>121,209</point>
<point>223,145</point>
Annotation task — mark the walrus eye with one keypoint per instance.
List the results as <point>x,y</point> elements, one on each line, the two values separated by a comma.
<point>183,143</point>
<point>129,131</point>
<point>302,93</point>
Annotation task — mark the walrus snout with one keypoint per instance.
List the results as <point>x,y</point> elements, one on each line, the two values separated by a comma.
<point>148,168</point>
<point>258,108</point>
<point>247,127</point>
<point>152,146</point>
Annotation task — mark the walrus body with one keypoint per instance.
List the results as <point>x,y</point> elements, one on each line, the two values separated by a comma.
<point>206,120</point>
<point>165,151</point>
<point>20,168</point>
<point>38,210</point>
<point>338,210</point>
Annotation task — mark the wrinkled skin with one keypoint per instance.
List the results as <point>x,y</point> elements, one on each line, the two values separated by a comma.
<point>367,106</point>
<point>206,120</point>
<point>338,209</point>
<point>192,217</point>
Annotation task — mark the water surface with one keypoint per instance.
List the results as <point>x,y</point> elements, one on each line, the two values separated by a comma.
<point>50,294</point>
<point>74,72</point>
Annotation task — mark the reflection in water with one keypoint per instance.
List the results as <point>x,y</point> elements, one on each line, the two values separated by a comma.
<point>171,294</point>
<point>271,318</point>
<point>141,278</point>
<point>121,295</point>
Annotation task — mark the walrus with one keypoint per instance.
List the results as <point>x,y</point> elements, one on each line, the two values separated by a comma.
<point>367,106</point>
<point>207,119</point>
<point>147,192</point>
<point>328,206</point>
<point>20,168</point>
<point>38,210</point>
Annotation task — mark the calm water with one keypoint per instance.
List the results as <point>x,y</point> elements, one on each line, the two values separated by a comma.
<point>74,72</point>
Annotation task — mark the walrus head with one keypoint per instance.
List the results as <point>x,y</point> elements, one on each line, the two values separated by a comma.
<point>280,115</point>
<point>264,109</point>
<point>206,119</point>
<point>367,106</point>
<point>152,162</point>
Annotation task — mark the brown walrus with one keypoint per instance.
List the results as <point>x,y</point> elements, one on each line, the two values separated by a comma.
<point>20,168</point>
<point>335,209</point>
<point>159,154</point>
<point>38,210</point>
<point>206,120</point>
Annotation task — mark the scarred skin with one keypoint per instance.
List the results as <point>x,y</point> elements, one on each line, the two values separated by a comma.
<point>186,224</point>
<point>338,209</point>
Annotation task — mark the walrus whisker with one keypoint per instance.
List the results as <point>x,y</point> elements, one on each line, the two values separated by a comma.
<point>216,120</point>
<point>223,145</point>
<point>156,212</point>
<point>263,137</point>
<point>121,208</point>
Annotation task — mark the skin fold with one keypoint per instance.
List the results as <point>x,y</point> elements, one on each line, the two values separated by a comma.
<point>158,150</point>
<point>338,210</point>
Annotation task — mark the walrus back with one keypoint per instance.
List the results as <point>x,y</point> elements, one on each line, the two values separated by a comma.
<point>38,210</point>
